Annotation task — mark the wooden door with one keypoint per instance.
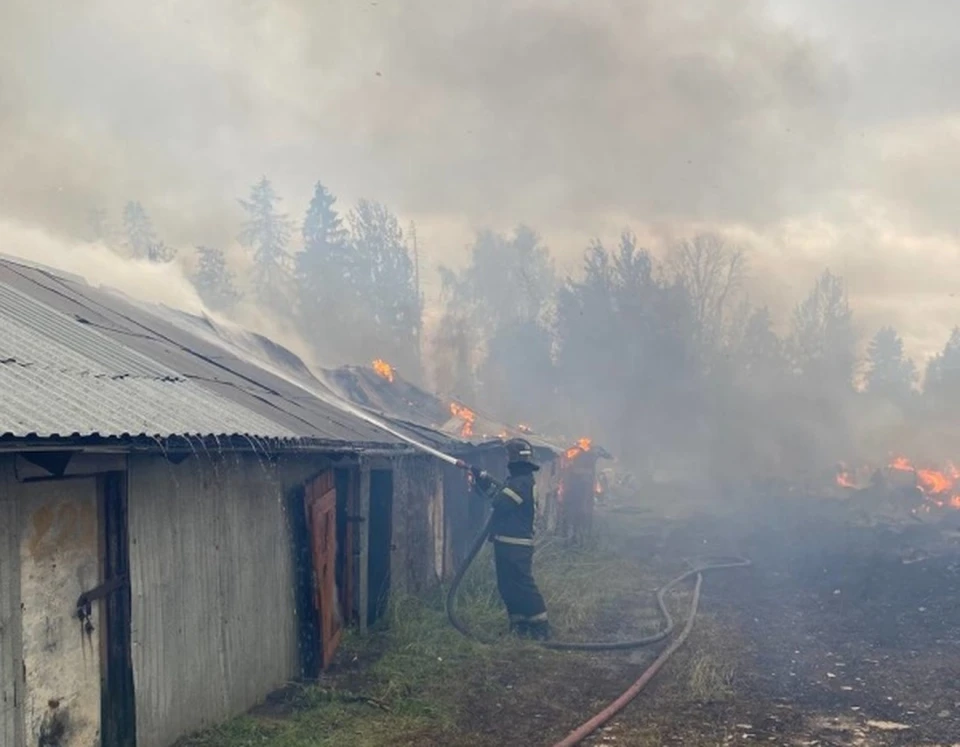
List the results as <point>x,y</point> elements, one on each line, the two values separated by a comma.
<point>321,506</point>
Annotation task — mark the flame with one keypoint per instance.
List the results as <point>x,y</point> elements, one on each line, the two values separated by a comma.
<point>583,446</point>
<point>383,369</point>
<point>465,414</point>
<point>845,480</point>
<point>933,482</point>
<point>941,488</point>
<point>901,464</point>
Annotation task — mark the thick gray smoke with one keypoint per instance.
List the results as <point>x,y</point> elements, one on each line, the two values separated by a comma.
<point>811,128</point>
<point>554,112</point>
<point>811,132</point>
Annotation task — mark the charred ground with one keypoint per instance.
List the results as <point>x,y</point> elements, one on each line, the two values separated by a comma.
<point>842,633</point>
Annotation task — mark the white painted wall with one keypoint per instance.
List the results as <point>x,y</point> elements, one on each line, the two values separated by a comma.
<point>59,560</point>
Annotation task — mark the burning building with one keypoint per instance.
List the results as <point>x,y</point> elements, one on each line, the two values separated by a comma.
<point>563,503</point>
<point>187,517</point>
<point>578,488</point>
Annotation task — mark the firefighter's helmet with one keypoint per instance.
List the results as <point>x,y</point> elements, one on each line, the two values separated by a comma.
<point>519,451</point>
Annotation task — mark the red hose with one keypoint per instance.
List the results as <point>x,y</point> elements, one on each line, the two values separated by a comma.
<point>588,727</point>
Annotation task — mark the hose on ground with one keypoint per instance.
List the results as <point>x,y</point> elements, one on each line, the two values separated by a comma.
<point>664,632</point>
<point>598,720</point>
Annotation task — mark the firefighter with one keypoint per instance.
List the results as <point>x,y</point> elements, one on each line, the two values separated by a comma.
<point>511,532</point>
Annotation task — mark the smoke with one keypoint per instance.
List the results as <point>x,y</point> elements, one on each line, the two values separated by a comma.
<point>98,264</point>
<point>577,118</point>
<point>807,132</point>
<point>142,281</point>
<point>559,112</point>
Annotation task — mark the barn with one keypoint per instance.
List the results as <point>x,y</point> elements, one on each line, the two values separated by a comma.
<point>188,517</point>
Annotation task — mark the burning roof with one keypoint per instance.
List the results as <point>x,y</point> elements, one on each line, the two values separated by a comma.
<point>381,388</point>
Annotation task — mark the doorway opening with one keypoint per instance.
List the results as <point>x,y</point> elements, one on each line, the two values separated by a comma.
<point>117,703</point>
<point>380,543</point>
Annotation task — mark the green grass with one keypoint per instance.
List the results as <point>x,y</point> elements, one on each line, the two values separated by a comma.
<point>414,680</point>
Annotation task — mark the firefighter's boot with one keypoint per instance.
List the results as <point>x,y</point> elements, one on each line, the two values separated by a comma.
<point>539,631</point>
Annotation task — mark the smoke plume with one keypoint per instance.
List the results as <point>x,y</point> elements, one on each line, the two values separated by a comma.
<point>805,131</point>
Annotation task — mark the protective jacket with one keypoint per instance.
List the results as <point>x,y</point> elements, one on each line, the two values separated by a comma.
<point>514,510</point>
<point>511,531</point>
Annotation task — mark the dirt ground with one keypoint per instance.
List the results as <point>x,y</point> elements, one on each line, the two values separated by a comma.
<point>844,634</point>
<point>839,634</point>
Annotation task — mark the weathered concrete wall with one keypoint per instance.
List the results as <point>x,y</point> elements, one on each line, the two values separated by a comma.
<point>417,505</point>
<point>59,560</point>
<point>212,584</point>
<point>11,646</point>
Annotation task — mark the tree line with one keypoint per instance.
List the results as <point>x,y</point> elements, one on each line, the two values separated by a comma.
<point>667,361</point>
<point>351,288</point>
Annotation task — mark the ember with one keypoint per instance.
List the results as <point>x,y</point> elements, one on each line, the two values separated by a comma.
<point>465,414</point>
<point>383,369</point>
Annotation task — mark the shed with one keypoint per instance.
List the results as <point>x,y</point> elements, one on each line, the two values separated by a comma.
<point>566,485</point>
<point>381,389</point>
<point>187,516</point>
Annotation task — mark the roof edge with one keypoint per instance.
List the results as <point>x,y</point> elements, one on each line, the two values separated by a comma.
<point>199,445</point>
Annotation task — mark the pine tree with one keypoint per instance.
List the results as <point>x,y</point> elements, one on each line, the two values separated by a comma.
<point>213,279</point>
<point>890,373</point>
<point>625,349</point>
<point>384,279</point>
<point>141,238</point>
<point>326,278</point>
<point>267,232</point>
<point>325,268</point>
<point>323,231</point>
<point>138,230</point>
<point>942,378</point>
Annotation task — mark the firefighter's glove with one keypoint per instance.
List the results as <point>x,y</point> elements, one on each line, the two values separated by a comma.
<point>481,479</point>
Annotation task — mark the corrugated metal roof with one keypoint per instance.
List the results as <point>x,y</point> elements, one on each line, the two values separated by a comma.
<point>80,360</point>
<point>402,400</point>
<point>59,377</point>
<point>56,341</point>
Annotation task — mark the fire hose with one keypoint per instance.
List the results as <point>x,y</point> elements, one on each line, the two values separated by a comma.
<point>591,725</point>
<point>595,722</point>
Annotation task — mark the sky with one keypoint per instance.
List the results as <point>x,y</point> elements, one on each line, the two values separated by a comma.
<point>816,133</point>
